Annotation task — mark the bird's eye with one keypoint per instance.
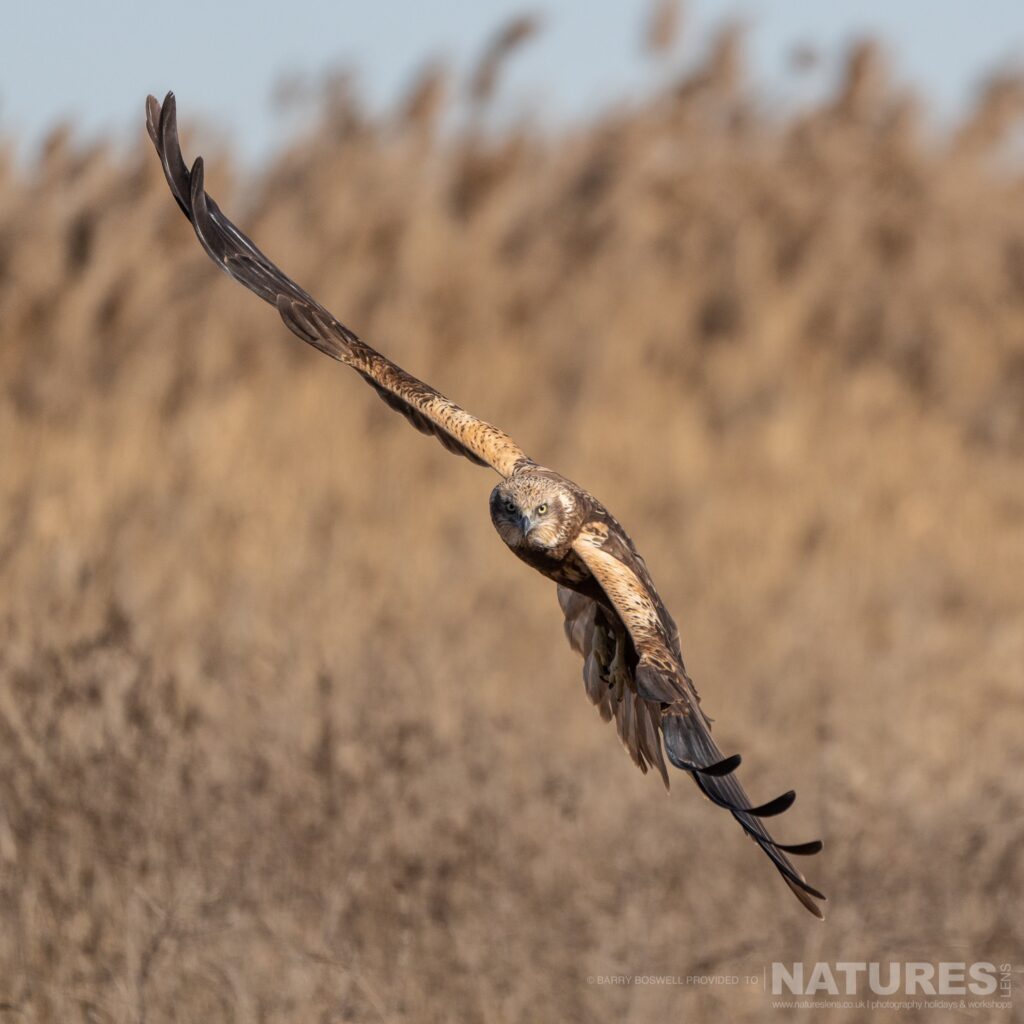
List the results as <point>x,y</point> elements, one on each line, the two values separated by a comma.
<point>541,509</point>
<point>510,506</point>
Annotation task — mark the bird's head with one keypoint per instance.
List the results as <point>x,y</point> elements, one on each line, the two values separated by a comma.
<point>535,510</point>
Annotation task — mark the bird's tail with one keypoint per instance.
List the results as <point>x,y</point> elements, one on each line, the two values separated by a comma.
<point>690,747</point>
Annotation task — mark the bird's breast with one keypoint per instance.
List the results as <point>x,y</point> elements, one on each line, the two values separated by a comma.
<point>566,569</point>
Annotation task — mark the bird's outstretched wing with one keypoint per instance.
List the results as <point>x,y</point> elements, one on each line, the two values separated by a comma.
<point>426,409</point>
<point>646,688</point>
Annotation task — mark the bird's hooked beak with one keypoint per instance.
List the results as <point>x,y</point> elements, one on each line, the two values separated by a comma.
<point>525,524</point>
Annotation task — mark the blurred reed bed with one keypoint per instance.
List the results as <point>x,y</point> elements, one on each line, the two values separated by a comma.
<point>283,733</point>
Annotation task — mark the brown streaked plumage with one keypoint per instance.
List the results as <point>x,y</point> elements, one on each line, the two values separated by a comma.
<point>614,618</point>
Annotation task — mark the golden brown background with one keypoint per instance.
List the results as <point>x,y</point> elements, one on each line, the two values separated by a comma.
<point>287,735</point>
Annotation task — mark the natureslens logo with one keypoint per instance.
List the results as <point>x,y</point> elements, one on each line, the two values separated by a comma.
<point>849,978</point>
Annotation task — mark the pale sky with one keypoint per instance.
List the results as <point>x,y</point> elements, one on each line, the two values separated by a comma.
<point>96,61</point>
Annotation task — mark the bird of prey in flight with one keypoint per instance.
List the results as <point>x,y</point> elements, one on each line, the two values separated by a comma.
<point>614,618</point>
